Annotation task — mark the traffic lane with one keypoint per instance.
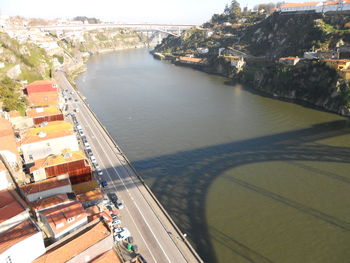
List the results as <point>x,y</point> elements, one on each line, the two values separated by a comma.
<point>126,174</point>
<point>127,217</point>
<point>162,235</point>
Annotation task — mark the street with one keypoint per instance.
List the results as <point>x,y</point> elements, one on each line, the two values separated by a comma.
<point>155,236</point>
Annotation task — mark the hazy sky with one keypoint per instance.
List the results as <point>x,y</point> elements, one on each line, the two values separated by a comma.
<point>129,11</point>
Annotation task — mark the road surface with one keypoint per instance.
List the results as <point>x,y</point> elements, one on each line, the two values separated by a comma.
<point>155,236</point>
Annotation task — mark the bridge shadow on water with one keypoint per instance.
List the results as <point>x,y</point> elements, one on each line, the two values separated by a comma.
<point>181,180</point>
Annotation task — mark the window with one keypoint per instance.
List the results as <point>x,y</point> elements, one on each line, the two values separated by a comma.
<point>70,219</point>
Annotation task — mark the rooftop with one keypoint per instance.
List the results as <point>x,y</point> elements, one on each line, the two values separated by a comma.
<point>42,86</point>
<point>80,243</point>
<point>189,59</point>
<point>289,58</point>
<point>66,156</point>
<point>43,111</point>
<point>44,185</point>
<point>52,130</point>
<point>10,204</point>
<point>289,5</point>
<point>16,234</point>
<point>59,216</point>
<point>90,195</point>
<point>50,202</point>
<point>107,257</point>
<point>85,187</point>
<point>43,99</point>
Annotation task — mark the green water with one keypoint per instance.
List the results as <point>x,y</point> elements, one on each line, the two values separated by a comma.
<point>248,178</point>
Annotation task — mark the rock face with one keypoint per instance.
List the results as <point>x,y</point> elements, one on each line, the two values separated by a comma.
<point>14,72</point>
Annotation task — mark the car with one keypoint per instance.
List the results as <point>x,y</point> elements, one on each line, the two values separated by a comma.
<point>84,139</point>
<point>122,235</point>
<point>69,98</point>
<point>130,239</point>
<point>76,100</point>
<point>86,145</point>
<point>116,221</point>
<point>112,196</point>
<point>93,159</point>
<point>104,183</point>
<point>141,258</point>
<point>97,166</point>
<point>119,204</point>
<point>79,127</point>
<point>110,207</point>
<point>89,152</point>
<point>99,172</point>
<point>81,133</point>
<point>76,109</point>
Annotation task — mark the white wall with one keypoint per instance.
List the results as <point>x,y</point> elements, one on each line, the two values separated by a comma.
<point>25,251</point>
<point>11,222</point>
<point>4,180</point>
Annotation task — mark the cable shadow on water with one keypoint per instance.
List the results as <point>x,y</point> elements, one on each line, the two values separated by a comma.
<point>182,180</point>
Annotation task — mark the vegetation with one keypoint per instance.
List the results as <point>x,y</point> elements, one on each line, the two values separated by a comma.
<point>10,96</point>
<point>90,20</point>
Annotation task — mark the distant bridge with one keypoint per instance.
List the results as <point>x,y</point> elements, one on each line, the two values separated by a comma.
<point>151,31</point>
<point>172,29</point>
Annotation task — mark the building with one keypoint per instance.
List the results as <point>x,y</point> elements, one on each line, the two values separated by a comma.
<point>5,179</point>
<point>109,256</point>
<point>13,209</point>
<point>42,86</point>
<point>53,138</point>
<point>8,144</point>
<point>45,114</point>
<point>63,219</point>
<point>237,62</point>
<point>291,61</point>
<point>73,163</point>
<point>43,99</point>
<point>316,7</point>
<point>90,198</point>
<point>46,188</point>
<point>88,243</point>
<point>338,64</point>
<point>191,60</point>
<point>50,202</point>
<point>22,243</point>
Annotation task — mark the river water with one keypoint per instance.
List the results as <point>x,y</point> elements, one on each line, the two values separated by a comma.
<point>247,177</point>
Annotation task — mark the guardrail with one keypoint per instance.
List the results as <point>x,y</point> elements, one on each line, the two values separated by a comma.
<point>187,243</point>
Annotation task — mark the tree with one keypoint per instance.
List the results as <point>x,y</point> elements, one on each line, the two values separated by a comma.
<point>235,8</point>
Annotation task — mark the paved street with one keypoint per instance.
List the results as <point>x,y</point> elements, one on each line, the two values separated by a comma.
<point>155,236</point>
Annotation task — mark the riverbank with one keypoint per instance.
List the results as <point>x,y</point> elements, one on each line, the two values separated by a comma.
<point>312,84</point>
<point>133,182</point>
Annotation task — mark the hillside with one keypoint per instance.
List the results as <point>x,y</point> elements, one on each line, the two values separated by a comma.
<point>24,62</point>
<point>262,40</point>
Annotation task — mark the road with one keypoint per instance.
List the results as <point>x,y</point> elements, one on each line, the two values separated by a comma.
<point>155,236</point>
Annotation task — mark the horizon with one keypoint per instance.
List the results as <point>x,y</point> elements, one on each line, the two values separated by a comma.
<point>193,12</point>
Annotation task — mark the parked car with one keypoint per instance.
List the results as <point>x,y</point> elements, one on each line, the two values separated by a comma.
<point>116,221</point>
<point>122,235</point>
<point>84,139</point>
<point>99,172</point>
<point>112,196</point>
<point>76,109</point>
<point>104,183</point>
<point>76,100</point>
<point>119,204</point>
<point>97,165</point>
<point>89,152</point>
<point>86,145</point>
<point>93,159</point>
<point>79,127</point>
<point>81,133</point>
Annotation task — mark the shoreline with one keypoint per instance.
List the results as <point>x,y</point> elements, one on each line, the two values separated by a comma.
<point>231,81</point>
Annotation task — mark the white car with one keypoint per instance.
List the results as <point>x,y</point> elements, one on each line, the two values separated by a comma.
<point>99,172</point>
<point>76,110</point>
<point>93,159</point>
<point>81,133</point>
<point>119,204</point>
<point>122,234</point>
<point>79,127</point>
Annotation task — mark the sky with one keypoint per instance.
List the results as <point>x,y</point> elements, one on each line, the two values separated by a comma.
<point>126,11</point>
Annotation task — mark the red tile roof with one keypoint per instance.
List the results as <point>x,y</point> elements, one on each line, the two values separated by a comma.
<point>51,201</point>
<point>108,257</point>
<point>74,247</point>
<point>58,216</point>
<point>42,86</point>
<point>16,234</point>
<point>290,5</point>
<point>44,185</point>
<point>90,195</point>
<point>10,205</point>
<point>43,99</point>
<point>189,59</point>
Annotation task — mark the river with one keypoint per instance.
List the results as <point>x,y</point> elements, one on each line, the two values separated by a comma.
<point>246,177</point>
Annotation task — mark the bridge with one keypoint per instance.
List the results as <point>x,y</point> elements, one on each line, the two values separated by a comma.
<point>151,30</point>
